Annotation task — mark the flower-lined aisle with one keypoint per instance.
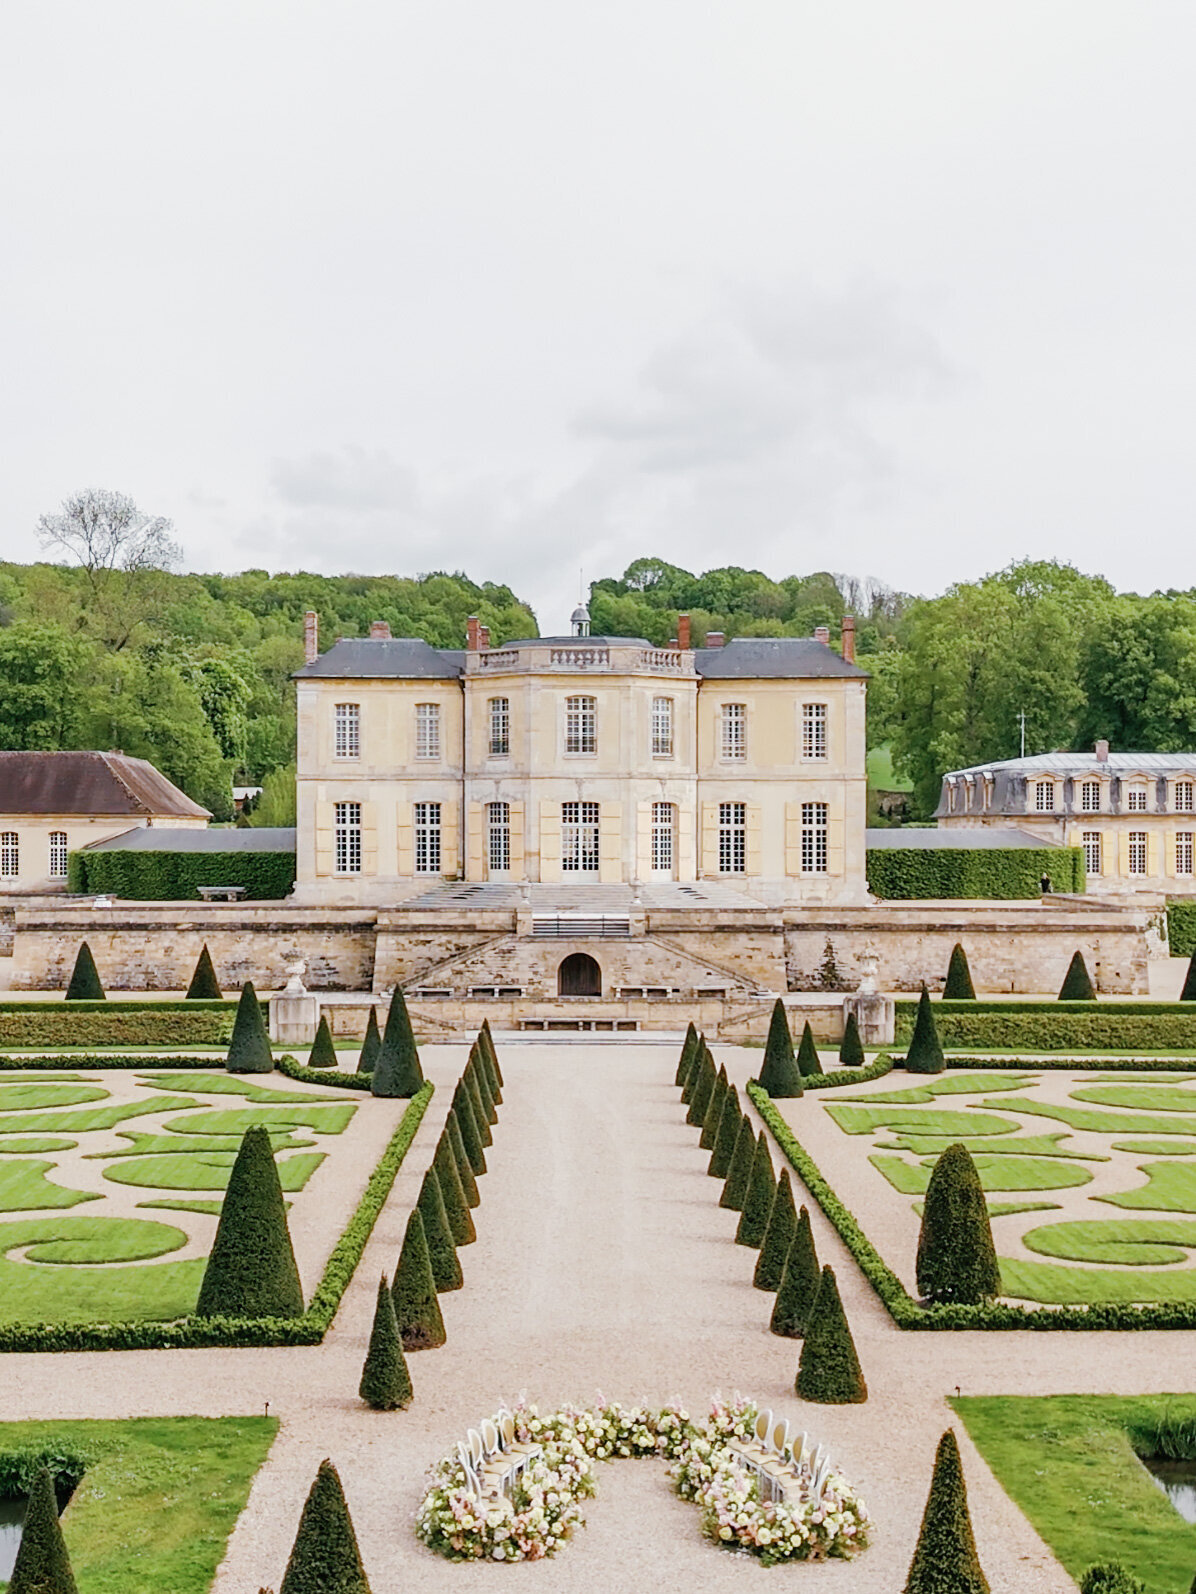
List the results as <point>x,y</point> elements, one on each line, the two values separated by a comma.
<point>545,1504</point>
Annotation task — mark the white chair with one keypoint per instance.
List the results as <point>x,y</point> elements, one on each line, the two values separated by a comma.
<point>522,1450</point>
<point>472,1481</point>
<point>495,1462</point>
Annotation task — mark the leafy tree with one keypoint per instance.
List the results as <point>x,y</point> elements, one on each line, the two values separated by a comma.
<point>778,1237</point>
<point>42,675</point>
<point>325,1558</point>
<point>851,1048</point>
<point>204,987</point>
<point>799,1283</point>
<point>251,1271</point>
<point>249,1049</point>
<point>959,987</point>
<point>276,807</point>
<point>42,1565</point>
<point>924,1055</point>
<point>323,1048</point>
<point>728,1130</point>
<point>85,983</point>
<point>1077,987</point>
<point>385,1382</point>
<point>957,1261</point>
<point>416,1304</point>
<point>397,1070</point>
<point>828,1369</point>
<point>945,1559</point>
<point>780,1075</point>
<point>371,1044</point>
<point>758,1198</point>
<point>808,1061</point>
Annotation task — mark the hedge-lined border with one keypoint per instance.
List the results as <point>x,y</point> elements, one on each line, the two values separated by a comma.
<point>877,1069</point>
<point>146,1062</point>
<point>901,1306</point>
<point>907,1007</point>
<point>231,1332</point>
<point>136,1004</point>
<point>1077,1065</point>
<point>322,1076</point>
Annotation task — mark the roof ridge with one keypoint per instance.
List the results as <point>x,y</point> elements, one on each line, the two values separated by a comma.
<point>118,776</point>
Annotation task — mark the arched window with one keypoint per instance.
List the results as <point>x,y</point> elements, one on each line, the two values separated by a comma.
<point>579,975</point>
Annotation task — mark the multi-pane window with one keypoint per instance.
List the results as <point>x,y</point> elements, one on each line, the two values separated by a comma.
<point>732,838</point>
<point>1185,792</point>
<point>1044,796</point>
<point>581,725</point>
<point>813,730</point>
<point>498,836</point>
<point>427,730</point>
<point>579,836</point>
<point>427,838</point>
<point>58,855</point>
<point>500,727</point>
<point>1137,852</point>
<point>1090,796</point>
<point>1183,852</point>
<point>814,821</point>
<point>10,855</point>
<point>1092,857</point>
<point>347,718</point>
<point>734,730</point>
<point>662,727</point>
<point>1136,800</point>
<point>664,826</point>
<point>347,838</point>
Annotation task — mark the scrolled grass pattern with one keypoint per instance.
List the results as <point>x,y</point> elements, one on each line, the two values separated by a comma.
<point>1134,1242</point>
<point>207,1170</point>
<point>1151,1098</point>
<point>1007,1145</point>
<point>950,1085</point>
<point>320,1119</point>
<point>27,1097</point>
<point>948,1125</point>
<point>234,1085</point>
<point>1169,1187</point>
<point>996,1173</point>
<point>25,1186</point>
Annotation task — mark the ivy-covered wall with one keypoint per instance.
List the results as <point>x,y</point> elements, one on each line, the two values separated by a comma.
<point>176,876</point>
<point>900,872</point>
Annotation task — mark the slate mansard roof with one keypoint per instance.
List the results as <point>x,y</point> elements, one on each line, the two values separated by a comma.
<point>1007,779</point>
<point>101,784</point>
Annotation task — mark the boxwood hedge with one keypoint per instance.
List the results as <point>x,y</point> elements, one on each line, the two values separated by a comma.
<point>117,1024</point>
<point>1058,1026</point>
<point>895,872</point>
<point>1181,926</point>
<point>177,876</point>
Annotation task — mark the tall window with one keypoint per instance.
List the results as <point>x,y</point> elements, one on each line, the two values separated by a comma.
<point>579,835</point>
<point>734,730</point>
<point>10,855</point>
<point>1184,793</point>
<point>813,730</point>
<point>348,730</point>
<point>1137,852</point>
<point>814,818</point>
<point>581,725</point>
<point>58,855</point>
<point>347,837</point>
<point>1090,796</point>
<point>498,836</point>
<point>732,838</point>
<point>1136,800</point>
<point>1183,852</point>
<point>1092,859</point>
<point>662,727</point>
<point>500,727</point>
<point>663,831</point>
<point>1044,796</point>
<point>427,730</point>
<point>427,838</point>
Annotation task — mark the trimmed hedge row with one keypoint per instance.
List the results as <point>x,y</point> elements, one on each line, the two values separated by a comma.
<point>144,1061</point>
<point>194,1333</point>
<point>322,1076</point>
<point>107,1025</point>
<point>1002,872</point>
<point>177,876</point>
<point>133,1005</point>
<point>1101,1065</point>
<point>877,1069</point>
<point>1058,1028</point>
<point>1181,926</point>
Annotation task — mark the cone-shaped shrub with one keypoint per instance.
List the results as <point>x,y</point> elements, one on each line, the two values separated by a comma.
<point>371,1045</point>
<point>452,1192</point>
<point>1188,994</point>
<point>477,1067</point>
<point>828,1369</point>
<point>757,1202</point>
<point>778,1237</point>
<point>323,1052</point>
<point>799,1283</point>
<point>808,1061</point>
<point>251,1271</point>
<point>780,1075</point>
<point>687,1054</point>
<point>396,1070</point>
<point>957,1260</point>
<point>325,1558</point>
<point>714,1110</point>
<point>851,1049</point>
<point>728,1130</point>
<point>485,1043</point>
<point>471,1137</point>
<point>385,1382</point>
<point>417,1310</point>
<point>249,1049</point>
<point>469,1079</point>
<point>442,1253</point>
<point>1077,987</point>
<point>702,1091</point>
<point>739,1174</point>
<point>959,987</point>
<point>493,1050</point>
<point>204,987</point>
<point>42,1565</point>
<point>1111,1577</point>
<point>85,983</point>
<point>693,1073</point>
<point>925,1055</point>
<point>452,1128</point>
<point>945,1559</point>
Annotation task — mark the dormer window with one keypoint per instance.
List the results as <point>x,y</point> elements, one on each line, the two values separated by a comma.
<point>1090,796</point>
<point>1044,796</point>
<point>1135,800</point>
<point>1184,794</point>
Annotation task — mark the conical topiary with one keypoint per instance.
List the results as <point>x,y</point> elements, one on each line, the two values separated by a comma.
<point>469,1184</point>
<point>714,1110</point>
<point>251,1271</point>
<point>957,1260</point>
<point>702,1091</point>
<point>685,1060</point>
<point>780,1075</point>
<point>828,1370</point>
<point>396,1070</point>
<point>249,1049</point>
<point>728,1130</point>
<point>1188,994</point>
<point>477,1065</point>
<point>924,1054</point>
<point>493,1050</point>
<point>694,1070</point>
<point>371,1045</point>
<point>945,1559</point>
<point>469,1079</point>
<point>485,1045</point>
<point>799,1283</point>
<point>323,1051</point>
<point>471,1137</point>
<point>204,987</point>
<point>417,1309</point>
<point>85,985</point>
<point>808,1061</point>
<point>851,1048</point>
<point>757,1201</point>
<point>325,1558</point>
<point>778,1237</point>
<point>1077,987</point>
<point>442,1253</point>
<point>452,1192</point>
<point>42,1565</point>
<point>959,987</point>
<point>385,1382</point>
<point>739,1174</point>
<point>1111,1577</point>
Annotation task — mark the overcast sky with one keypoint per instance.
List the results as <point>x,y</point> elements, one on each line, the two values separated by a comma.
<point>521,286</point>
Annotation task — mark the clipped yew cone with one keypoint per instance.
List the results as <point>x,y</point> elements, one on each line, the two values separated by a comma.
<point>446,1265</point>
<point>828,1370</point>
<point>758,1198</point>
<point>467,1122</point>
<point>493,1050</point>
<point>452,1192</point>
<point>728,1130</point>
<point>685,1060</point>
<point>736,1187</point>
<point>477,1071</point>
<point>452,1128</point>
<point>778,1237</point>
<point>371,1044</point>
<point>385,1382</point>
<point>945,1559</point>
<point>480,1116</point>
<point>417,1308</point>
<point>702,1091</point>
<point>485,1045</point>
<point>799,1283</point>
<point>325,1558</point>
<point>42,1565</point>
<point>808,1061</point>
<point>714,1111</point>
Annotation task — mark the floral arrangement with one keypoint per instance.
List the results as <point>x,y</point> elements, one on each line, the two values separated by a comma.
<point>544,1506</point>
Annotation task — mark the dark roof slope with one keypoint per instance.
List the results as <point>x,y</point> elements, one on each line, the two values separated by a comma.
<point>160,838</point>
<point>393,658</point>
<point>90,783</point>
<point>777,657</point>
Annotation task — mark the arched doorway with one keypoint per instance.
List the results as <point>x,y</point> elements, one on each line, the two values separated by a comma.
<point>579,975</point>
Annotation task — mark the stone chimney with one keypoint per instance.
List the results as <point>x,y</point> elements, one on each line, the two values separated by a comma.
<point>311,637</point>
<point>715,639</point>
<point>847,631</point>
<point>483,637</point>
<point>472,634</point>
<point>1102,752</point>
<point>683,638</point>
<point>822,633</point>
<point>379,631</point>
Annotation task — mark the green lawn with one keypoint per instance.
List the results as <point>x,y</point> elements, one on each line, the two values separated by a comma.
<point>158,1500</point>
<point>1126,1242</point>
<point>949,1085</point>
<point>141,1144</point>
<point>1006,1145</point>
<point>78,1123</point>
<point>1051,1285</point>
<point>1151,1098</point>
<point>39,1290</point>
<point>1169,1187</point>
<point>15,1098</point>
<point>24,1186</point>
<point>880,772</point>
<point>1069,1463</point>
<point>1158,1148</point>
<point>15,1145</point>
<point>996,1173</point>
<point>237,1085</point>
<point>946,1125</point>
<point>320,1119</point>
<point>1090,1121</point>
<point>208,1170</point>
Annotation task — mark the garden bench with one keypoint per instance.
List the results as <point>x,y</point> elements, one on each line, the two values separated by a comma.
<point>221,893</point>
